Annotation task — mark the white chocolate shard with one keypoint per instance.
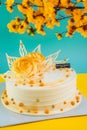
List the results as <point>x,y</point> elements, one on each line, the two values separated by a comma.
<point>37,49</point>
<point>61,61</point>
<point>22,49</point>
<point>53,56</point>
<point>10,60</point>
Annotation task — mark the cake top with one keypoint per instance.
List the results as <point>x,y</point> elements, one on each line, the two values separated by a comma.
<point>32,67</point>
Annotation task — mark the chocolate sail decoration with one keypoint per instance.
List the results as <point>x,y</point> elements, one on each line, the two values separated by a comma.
<point>50,59</point>
<point>66,65</point>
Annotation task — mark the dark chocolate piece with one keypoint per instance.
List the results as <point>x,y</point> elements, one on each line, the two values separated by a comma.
<point>65,65</point>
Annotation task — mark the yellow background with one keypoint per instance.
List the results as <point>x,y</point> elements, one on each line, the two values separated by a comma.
<point>73,123</point>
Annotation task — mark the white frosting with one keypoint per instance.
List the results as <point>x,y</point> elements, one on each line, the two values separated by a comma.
<point>47,95</point>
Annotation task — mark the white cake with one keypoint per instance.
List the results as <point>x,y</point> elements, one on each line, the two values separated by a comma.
<point>54,91</point>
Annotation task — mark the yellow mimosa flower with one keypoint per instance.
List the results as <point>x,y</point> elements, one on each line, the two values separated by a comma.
<point>12,26</point>
<point>9,4</point>
<point>59,36</point>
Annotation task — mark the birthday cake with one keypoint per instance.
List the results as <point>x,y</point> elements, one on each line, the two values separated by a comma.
<point>39,85</point>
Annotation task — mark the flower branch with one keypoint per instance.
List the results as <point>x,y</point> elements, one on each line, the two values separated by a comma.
<point>47,14</point>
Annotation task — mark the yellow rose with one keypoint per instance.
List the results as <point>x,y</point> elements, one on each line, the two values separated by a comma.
<point>21,66</point>
<point>29,65</point>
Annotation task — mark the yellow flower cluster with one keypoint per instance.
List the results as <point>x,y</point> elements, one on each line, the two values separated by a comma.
<point>9,4</point>
<point>82,26</point>
<point>78,23</point>
<point>46,13</point>
<point>18,26</point>
<point>65,3</point>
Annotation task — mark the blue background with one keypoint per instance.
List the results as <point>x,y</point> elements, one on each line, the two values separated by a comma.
<point>73,48</point>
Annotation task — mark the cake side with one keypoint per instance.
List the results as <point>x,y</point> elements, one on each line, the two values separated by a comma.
<point>63,96</point>
<point>40,85</point>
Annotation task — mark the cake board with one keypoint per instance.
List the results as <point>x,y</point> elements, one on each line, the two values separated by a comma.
<point>9,118</point>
